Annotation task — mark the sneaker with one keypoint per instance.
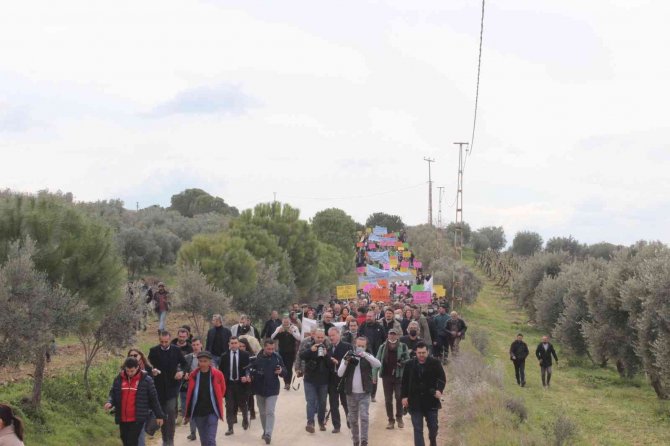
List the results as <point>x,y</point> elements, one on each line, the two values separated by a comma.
<point>391,425</point>
<point>287,387</point>
<point>336,430</point>
<point>245,424</point>
<point>364,443</point>
<point>191,437</point>
<point>268,439</point>
<point>229,432</point>
<point>400,423</point>
<point>310,428</point>
<point>322,427</point>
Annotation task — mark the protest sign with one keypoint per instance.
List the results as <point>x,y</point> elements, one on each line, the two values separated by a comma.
<point>346,292</point>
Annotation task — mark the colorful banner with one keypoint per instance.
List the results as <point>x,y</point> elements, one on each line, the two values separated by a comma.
<point>360,270</point>
<point>400,245</point>
<point>346,292</point>
<point>369,286</point>
<point>404,269</point>
<point>379,257</point>
<point>383,283</point>
<point>380,230</point>
<point>401,289</point>
<point>406,245</point>
<point>406,254</point>
<point>421,297</point>
<point>393,262</point>
<point>404,264</point>
<point>372,246</point>
<point>417,264</point>
<point>416,288</point>
<point>386,266</point>
<point>360,245</point>
<point>439,290</point>
<point>380,295</point>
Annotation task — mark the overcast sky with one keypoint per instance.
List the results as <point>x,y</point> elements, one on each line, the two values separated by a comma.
<point>335,104</point>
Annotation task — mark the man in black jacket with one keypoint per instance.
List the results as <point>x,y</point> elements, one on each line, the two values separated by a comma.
<point>218,338</point>
<point>317,365</point>
<point>518,352</point>
<point>170,362</point>
<point>455,329</point>
<point>287,337</point>
<point>544,352</point>
<point>337,349</point>
<point>133,385</point>
<point>233,365</point>
<point>422,384</point>
<point>374,332</point>
<point>271,325</point>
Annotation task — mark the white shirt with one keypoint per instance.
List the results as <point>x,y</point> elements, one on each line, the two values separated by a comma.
<point>234,354</point>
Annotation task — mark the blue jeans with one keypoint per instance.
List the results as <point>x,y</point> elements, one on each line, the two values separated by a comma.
<point>141,441</point>
<point>161,320</point>
<point>207,426</point>
<point>315,395</point>
<point>417,423</point>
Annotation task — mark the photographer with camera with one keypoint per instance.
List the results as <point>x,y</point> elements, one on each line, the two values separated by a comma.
<point>422,384</point>
<point>317,364</point>
<point>393,355</point>
<point>265,371</point>
<point>356,369</point>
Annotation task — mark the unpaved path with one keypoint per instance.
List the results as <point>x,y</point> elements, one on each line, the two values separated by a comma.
<point>290,428</point>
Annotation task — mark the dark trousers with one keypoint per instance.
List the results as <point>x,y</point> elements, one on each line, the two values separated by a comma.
<point>520,370</point>
<point>251,405</point>
<point>237,397</point>
<point>207,426</point>
<point>336,398</point>
<point>289,359</point>
<point>417,424</point>
<point>392,385</point>
<point>168,427</point>
<point>130,433</point>
<point>546,375</point>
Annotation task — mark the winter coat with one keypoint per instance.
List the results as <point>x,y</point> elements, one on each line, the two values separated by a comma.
<point>375,334</point>
<point>217,391</point>
<point>518,351</point>
<point>265,382</point>
<point>424,330</point>
<point>455,325</point>
<point>166,386</point>
<point>146,399</point>
<point>420,388</point>
<point>387,326</point>
<point>403,357</point>
<point>544,356</point>
<point>223,335</point>
<point>317,368</point>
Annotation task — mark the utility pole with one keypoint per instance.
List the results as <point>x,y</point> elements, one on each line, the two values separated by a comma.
<point>458,232</point>
<point>275,196</point>
<point>137,205</point>
<point>430,192</point>
<point>439,212</point>
<point>456,284</point>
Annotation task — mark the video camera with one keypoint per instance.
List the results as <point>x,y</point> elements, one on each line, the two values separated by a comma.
<point>351,358</point>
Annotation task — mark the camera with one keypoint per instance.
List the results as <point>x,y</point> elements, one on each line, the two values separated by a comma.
<point>351,358</point>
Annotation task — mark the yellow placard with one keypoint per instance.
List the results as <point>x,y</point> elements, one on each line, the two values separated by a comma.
<point>346,291</point>
<point>439,290</point>
<point>404,270</point>
<point>406,254</point>
<point>393,261</point>
<point>368,230</point>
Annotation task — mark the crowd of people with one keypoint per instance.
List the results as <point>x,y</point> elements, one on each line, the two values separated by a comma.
<point>339,350</point>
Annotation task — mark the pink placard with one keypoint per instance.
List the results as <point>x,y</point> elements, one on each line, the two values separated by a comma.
<point>387,266</point>
<point>401,289</point>
<point>369,286</point>
<point>417,264</point>
<point>372,246</point>
<point>404,264</point>
<point>360,270</point>
<point>421,297</point>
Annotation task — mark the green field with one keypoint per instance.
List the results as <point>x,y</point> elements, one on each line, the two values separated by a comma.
<point>607,409</point>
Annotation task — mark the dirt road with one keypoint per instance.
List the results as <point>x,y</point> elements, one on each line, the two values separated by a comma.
<point>290,428</point>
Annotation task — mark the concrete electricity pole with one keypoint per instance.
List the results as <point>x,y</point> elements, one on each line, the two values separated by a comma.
<point>439,209</point>
<point>430,192</point>
<point>458,230</point>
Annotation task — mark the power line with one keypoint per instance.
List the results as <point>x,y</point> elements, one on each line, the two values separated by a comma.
<point>479,70</point>
<point>356,196</point>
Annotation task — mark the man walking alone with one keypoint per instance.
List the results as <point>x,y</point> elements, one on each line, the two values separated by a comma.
<point>518,352</point>
<point>392,355</point>
<point>204,401</point>
<point>544,352</point>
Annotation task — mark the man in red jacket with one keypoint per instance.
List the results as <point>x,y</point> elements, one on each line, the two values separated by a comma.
<point>204,399</point>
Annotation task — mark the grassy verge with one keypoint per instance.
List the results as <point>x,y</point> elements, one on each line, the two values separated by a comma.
<point>606,409</point>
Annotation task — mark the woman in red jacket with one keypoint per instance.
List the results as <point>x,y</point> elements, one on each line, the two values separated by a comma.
<point>204,399</point>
